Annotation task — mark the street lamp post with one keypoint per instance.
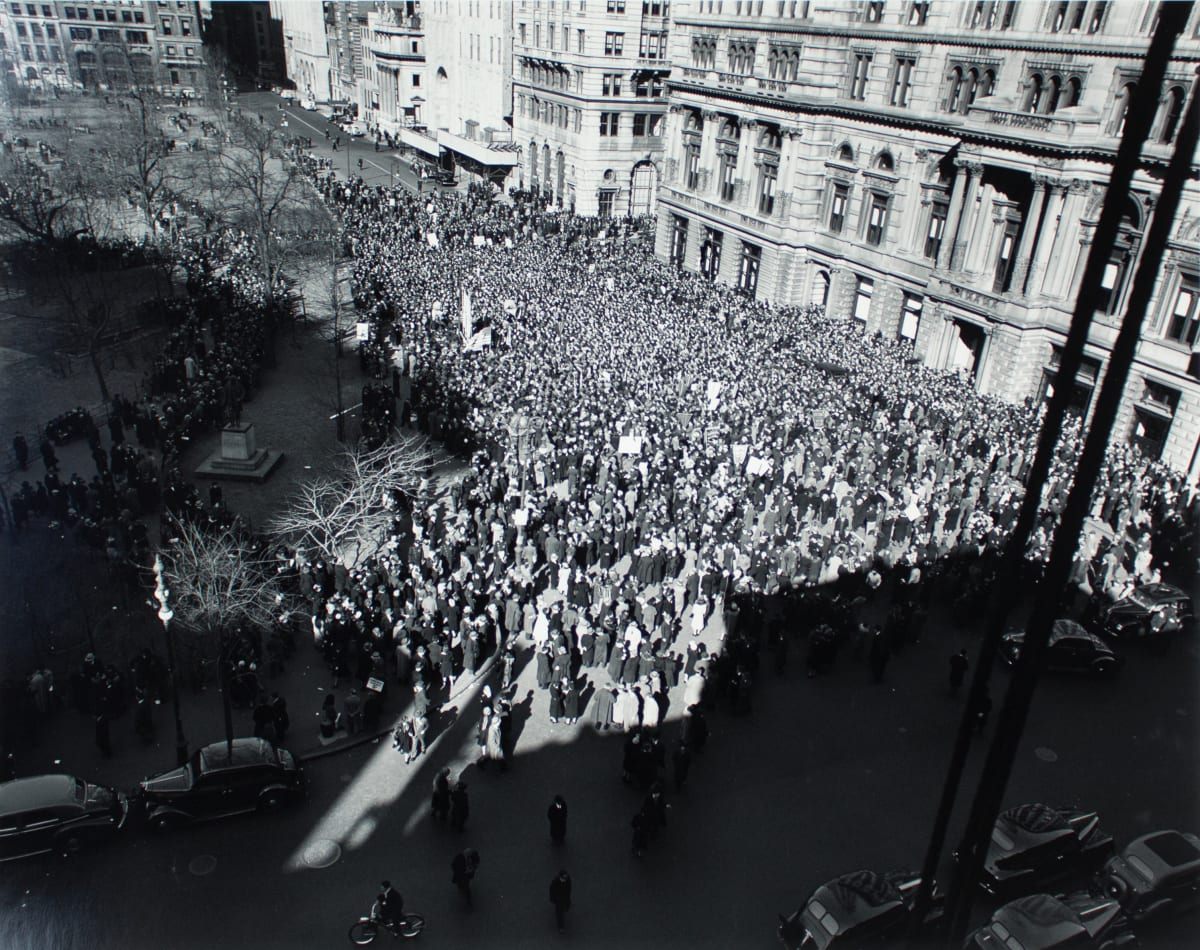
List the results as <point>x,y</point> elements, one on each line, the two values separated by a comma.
<point>165,614</point>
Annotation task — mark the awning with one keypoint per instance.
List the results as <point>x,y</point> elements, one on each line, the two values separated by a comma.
<point>479,151</point>
<point>422,143</point>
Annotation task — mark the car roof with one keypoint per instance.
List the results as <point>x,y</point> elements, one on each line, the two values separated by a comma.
<point>1165,851</point>
<point>1164,592</point>
<point>1069,629</point>
<point>37,791</point>
<point>1040,921</point>
<point>246,752</point>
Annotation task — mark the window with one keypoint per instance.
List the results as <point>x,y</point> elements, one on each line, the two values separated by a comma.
<point>837,206</point>
<point>51,31</point>
<point>679,236</point>
<point>876,219</point>
<point>741,58</point>
<point>137,36</point>
<point>35,30</point>
<point>81,33</point>
<point>859,75</point>
<point>1185,319</point>
<point>655,8</point>
<point>610,123</point>
<point>1007,256</point>
<point>170,49</point>
<point>614,44</point>
<point>902,79</point>
<point>1172,113</point>
<point>69,13</point>
<point>710,253</point>
<point>768,179</point>
<point>639,124</point>
<point>579,45</point>
<point>22,32</point>
<point>185,27</point>
<point>874,11</point>
<point>138,16</point>
<point>910,316</point>
<point>612,84</point>
<point>748,271</point>
<point>166,26</point>
<point>648,86</point>
<point>416,80</point>
<point>862,298</point>
<point>783,63</point>
<point>918,13</point>
<point>191,51</point>
<point>107,35</point>
<point>653,45</point>
<point>605,201</point>
<point>521,33</point>
<point>616,6</point>
<point>1096,21</point>
<point>691,165</point>
<point>728,175</point>
<point>704,52</point>
<point>939,211</point>
<point>83,13</point>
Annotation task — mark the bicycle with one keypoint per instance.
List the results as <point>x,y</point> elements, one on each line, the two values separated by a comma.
<point>364,930</point>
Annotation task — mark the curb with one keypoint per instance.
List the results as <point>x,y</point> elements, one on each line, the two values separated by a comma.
<point>360,740</point>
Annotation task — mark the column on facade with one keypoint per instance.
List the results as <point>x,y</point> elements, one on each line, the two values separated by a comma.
<point>1029,234</point>
<point>1058,280</point>
<point>979,236</point>
<point>708,151</point>
<point>746,169</point>
<point>963,191</point>
<point>673,150</point>
<point>1055,206</point>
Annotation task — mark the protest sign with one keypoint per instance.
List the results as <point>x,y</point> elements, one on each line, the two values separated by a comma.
<point>630,445</point>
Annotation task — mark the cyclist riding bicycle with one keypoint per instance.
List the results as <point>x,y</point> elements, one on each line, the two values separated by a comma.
<point>390,905</point>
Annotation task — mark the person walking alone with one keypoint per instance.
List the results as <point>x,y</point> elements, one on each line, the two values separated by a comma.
<point>560,897</point>
<point>462,870</point>
<point>556,814</point>
<point>439,803</point>
<point>460,806</point>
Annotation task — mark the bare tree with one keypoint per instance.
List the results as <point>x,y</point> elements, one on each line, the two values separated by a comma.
<point>217,586</point>
<point>346,517</point>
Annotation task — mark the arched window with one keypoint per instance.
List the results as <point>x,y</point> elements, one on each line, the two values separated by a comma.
<point>441,72</point>
<point>729,130</point>
<point>1036,89</point>
<point>533,163</point>
<point>972,87</point>
<point>1122,107</point>
<point>546,165</point>
<point>845,153</point>
<point>1172,113</point>
<point>1072,93</point>
<point>987,83</point>
<point>1053,94</point>
<point>956,87</point>
<point>820,290</point>
<point>884,161</point>
<point>694,122</point>
<point>770,138</point>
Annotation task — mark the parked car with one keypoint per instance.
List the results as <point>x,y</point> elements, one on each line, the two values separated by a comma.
<point>309,105</point>
<point>61,813</point>
<point>1042,922</point>
<point>1034,844</point>
<point>355,129</point>
<point>1152,610</point>
<point>256,777</point>
<point>1156,875</point>
<point>287,95</point>
<point>860,909</point>
<point>1072,649</point>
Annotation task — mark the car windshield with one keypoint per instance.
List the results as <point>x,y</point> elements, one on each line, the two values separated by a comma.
<point>1143,599</point>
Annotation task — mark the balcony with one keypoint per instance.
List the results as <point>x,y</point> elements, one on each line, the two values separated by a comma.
<point>1052,129</point>
<point>732,80</point>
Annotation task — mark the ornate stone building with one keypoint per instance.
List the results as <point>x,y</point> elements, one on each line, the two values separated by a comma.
<point>935,171</point>
<point>589,88</point>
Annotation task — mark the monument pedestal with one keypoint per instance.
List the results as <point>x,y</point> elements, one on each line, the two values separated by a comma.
<point>239,457</point>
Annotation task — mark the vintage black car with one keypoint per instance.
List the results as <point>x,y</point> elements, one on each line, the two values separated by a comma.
<point>1042,922</point>
<point>1156,875</point>
<point>1034,844</point>
<point>1152,610</point>
<point>860,909</point>
<point>258,776</point>
<point>45,813</point>
<point>1071,649</point>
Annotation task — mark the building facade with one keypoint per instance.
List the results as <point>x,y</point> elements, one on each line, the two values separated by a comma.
<point>391,94</point>
<point>589,89</point>
<point>469,49</point>
<point>305,47</point>
<point>250,37</point>
<point>935,171</point>
<point>107,45</point>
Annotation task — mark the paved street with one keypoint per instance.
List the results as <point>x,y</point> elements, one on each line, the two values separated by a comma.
<point>824,776</point>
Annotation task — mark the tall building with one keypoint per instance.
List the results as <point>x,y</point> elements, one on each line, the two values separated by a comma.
<point>109,45</point>
<point>589,87</point>
<point>305,47</point>
<point>249,36</point>
<point>391,94</point>
<point>935,171</point>
<point>345,21</point>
